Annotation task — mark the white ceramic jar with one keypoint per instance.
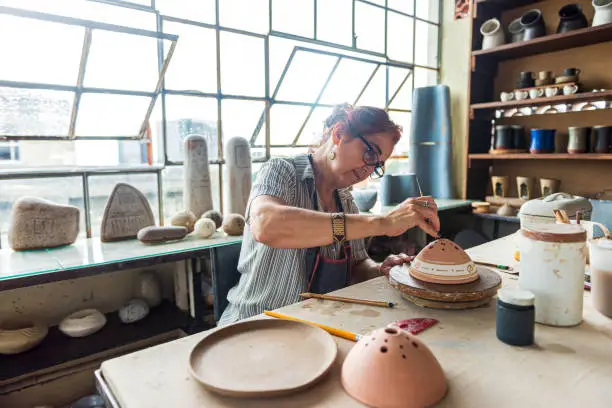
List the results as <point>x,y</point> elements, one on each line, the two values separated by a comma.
<point>603,12</point>
<point>492,34</point>
<point>553,260</point>
<point>601,275</point>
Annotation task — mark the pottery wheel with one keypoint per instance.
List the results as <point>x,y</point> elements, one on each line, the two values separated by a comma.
<point>262,358</point>
<point>483,288</point>
<point>432,304</point>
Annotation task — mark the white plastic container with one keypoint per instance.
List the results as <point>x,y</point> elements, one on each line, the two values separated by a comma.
<point>553,260</point>
<point>601,275</point>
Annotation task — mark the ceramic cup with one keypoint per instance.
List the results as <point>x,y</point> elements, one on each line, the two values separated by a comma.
<point>518,133</point>
<point>551,91</point>
<point>602,136</point>
<point>549,186</point>
<point>571,72</point>
<point>504,137</point>
<point>578,140</point>
<point>516,30</point>
<point>542,141</point>
<point>571,18</point>
<point>603,12</point>
<point>545,75</point>
<point>500,186</point>
<point>534,25</point>
<point>507,96</point>
<point>570,89</point>
<point>521,95</point>
<point>525,187</point>
<point>492,34</point>
<point>525,80</point>
<point>536,93</point>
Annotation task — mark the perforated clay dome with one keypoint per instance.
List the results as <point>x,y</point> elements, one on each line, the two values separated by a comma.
<point>391,368</point>
<point>443,261</point>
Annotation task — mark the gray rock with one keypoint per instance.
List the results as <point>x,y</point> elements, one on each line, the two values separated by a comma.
<point>133,311</point>
<point>37,223</point>
<point>214,215</point>
<point>127,212</point>
<point>154,234</point>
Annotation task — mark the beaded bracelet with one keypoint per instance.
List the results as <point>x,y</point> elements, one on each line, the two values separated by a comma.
<point>338,227</point>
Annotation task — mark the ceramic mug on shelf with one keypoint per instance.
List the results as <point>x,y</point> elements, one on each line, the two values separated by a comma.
<point>542,141</point>
<point>534,25</point>
<point>492,34</point>
<point>525,187</point>
<point>551,91</point>
<point>500,186</point>
<point>507,96</point>
<point>603,12</point>
<point>516,30</point>
<point>571,18</point>
<point>521,95</point>
<point>536,93</point>
<point>578,139</point>
<point>549,186</point>
<point>570,89</point>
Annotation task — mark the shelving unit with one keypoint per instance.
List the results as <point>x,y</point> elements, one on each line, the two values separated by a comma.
<point>496,70</point>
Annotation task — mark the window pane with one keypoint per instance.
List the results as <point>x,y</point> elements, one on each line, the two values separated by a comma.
<point>240,118</point>
<point>428,9</point>
<point>426,44</point>
<point>33,112</point>
<point>375,93</point>
<point>122,61</point>
<point>27,45</point>
<point>370,27</point>
<point>313,131</point>
<point>334,21</point>
<point>242,65</point>
<point>60,190</point>
<point>403,119</point>
<point>187,115</point>
<point>173,186</point>
<point>293,17</point>
<point>194,63</point>
<point>111,115</point>
<point>100,188</point>
<point>403,99</point>
<point>425,77</point>
<point>306,76</point>
<point>285,122</point>
<point>108,153</point>
<point>287,151</point>
<point>406,6</point>
<point>248,15</point>
<point>399,37</point>
<point>347,82</point>
<point>196,10</point>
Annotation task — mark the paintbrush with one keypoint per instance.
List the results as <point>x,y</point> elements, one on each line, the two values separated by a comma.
<point>421,203</point>
<point>348,300</point>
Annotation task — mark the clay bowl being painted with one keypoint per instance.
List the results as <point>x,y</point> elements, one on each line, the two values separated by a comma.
<point>365,199</point>
<point>443,261</point>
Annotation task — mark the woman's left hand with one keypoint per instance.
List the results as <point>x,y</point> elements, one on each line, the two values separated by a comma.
<point>394,260</point>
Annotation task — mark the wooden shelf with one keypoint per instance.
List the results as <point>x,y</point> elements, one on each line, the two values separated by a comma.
<point>549,43</point>
<point>543,156</point>
<point>553,100</point>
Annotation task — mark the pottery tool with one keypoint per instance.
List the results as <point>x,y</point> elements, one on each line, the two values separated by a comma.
<point>347,300</point>
<point>503,268</point>
<point>578,215</point>
<point>331,330</point>
<point>415,325</point>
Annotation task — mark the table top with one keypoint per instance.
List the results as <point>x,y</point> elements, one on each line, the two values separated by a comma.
<point>90,256</point>
<point>568,367</point>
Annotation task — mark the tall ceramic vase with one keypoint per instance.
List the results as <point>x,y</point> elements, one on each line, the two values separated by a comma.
<point>492,34</point>
<point>238,155</point>
<point>603,12</point>
<point>197,195</point>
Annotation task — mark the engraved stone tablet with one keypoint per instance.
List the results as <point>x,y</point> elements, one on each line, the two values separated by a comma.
<point>197,193</point>
<point>239,174</point>
<point>127,211</point>
<point>37,223</point>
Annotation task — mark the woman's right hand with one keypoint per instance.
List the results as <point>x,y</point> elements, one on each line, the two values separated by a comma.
<point>412,213</point>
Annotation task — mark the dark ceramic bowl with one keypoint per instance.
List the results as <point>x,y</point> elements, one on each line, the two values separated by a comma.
<point>365,199</point>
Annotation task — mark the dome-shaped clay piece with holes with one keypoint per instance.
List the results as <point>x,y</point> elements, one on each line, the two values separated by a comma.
<point>443,261</point>
<point>390,368</point>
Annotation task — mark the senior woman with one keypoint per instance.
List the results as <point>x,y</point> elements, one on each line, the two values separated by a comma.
<point>303,230</point>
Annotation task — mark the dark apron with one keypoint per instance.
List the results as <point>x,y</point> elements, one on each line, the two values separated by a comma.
<point>327,275</point>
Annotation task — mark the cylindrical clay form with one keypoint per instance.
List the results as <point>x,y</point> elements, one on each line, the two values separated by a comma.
<point>239,175</point>
<point>197,196</point>
<point>515,317</point>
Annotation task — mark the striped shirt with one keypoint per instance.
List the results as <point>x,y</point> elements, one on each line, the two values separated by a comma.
<point>274,277</point>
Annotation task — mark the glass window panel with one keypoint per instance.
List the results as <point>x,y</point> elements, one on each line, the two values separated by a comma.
<point>306,76</point>
<point>40,153</point>
<point>100,188</point>
<point>348,80</point>
<point>122,61</point>
<point>379,2</point>
<point>400,37</point>
<point>188,115</point>
<point>403,99</point>
<point>111,115</point>
<point>109,153</point>
<point>428,10</point>
<point>173,186</point>
<point>334,21</point>
<point>240,118</point>
<point>287,151</point>
<point>404,120</point>
<point>155,125</point>
<point>194,62</point>
<point>60,190</point>
<point>406,6</point>
<point>293,17</point>
<point>370,27</point>
<point>34,112</point>
<point>285,122</point>
<point>196,10</point>
<point>425,77</point>
<point>242,65</point>
<point>27,45</point>
<point>426,52</point>
<point>313,131</point>
<point>248,15</point>
<point>375,92</point>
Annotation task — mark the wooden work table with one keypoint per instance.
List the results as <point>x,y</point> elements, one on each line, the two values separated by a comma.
<point>569,367</point>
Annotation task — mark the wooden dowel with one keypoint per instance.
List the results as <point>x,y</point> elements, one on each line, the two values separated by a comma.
<point>347,300</point>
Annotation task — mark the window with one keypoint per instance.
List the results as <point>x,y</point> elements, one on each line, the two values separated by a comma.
<point>108,90</point>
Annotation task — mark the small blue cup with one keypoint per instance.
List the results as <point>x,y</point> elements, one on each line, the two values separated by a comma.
<point>542,141</point>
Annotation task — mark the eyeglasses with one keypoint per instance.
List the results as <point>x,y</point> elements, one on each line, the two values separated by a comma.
<point>371,158</point>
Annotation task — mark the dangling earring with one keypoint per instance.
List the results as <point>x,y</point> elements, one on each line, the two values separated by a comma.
<point>332,154</point>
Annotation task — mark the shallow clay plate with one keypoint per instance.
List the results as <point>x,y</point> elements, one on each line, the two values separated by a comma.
<point>262,358</point>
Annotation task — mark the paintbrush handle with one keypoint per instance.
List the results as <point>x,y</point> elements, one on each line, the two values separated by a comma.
<point>347,300</point>
<point>331,330</point>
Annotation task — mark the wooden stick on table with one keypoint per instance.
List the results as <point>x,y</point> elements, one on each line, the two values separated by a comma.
<point>347,300</point>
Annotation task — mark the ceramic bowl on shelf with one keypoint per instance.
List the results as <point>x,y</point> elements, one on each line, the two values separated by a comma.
<point>18,337</point>
<point>565,79</point>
